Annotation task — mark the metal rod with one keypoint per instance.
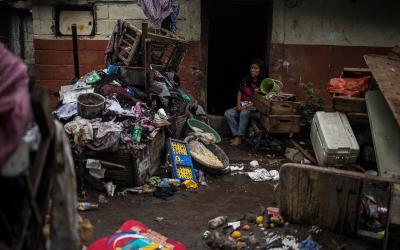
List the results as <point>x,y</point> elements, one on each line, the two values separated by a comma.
<point>75,50</point>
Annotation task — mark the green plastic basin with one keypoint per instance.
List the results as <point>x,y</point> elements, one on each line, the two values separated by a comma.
<point>194,123</point>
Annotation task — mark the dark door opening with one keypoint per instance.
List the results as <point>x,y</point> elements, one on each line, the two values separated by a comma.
<point>238,32</point>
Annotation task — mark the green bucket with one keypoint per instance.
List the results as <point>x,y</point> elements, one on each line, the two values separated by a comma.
<point>194,123</point>
<point>269,84</point>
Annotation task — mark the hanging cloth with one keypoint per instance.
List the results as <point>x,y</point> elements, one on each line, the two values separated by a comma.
<point>156,10</point>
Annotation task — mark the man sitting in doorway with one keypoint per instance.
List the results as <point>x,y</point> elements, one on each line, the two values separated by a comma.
<point>238,117</point>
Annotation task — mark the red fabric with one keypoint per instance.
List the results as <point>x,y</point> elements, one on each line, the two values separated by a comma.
<point>348,86</point>
<point>15,107</point>
<point>104,243</point>
<point>109,89</point>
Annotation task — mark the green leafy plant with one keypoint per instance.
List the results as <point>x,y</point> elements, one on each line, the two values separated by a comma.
<point>310,105</point>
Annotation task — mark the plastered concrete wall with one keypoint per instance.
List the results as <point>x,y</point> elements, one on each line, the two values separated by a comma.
<point>107,12</point>
<point>338,22</point>
<point>22,44</point>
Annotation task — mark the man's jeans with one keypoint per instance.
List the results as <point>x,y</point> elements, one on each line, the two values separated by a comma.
<point>238,121</point>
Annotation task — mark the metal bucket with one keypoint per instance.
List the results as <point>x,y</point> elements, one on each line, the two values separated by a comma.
<point>90,105</point>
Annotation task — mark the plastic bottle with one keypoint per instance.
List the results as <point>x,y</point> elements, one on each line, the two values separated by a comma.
<point>137,133</point>
<point>216,222</point>
<point>84,206</point>
<point>167,182</point>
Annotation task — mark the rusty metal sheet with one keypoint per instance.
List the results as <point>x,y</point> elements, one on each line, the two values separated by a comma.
<point>386,71</point>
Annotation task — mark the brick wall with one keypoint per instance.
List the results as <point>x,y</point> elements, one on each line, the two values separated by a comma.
<point>190,73</point>
<point>53,54</point>
<point>55,64</point>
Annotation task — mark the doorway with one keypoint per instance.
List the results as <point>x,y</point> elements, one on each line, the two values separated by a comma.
<point>238,32</point>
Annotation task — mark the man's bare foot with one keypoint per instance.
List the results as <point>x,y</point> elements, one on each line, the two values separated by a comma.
<point>236,141</point>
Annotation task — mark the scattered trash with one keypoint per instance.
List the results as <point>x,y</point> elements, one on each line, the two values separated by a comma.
<point>154,181</point>
<point>251,218</point>
<point>236,234</point>
<point>235,225</point>
<point>289,242</point>
<point>110,187</point>
<point>241,245</point>
<point>85,206</point>
<point>246,227</point>
<point>102,199</point>
<point>235,168</point>
<point>308,244</point>
<point>254,164</point>
<point>217,222</point>
<point>85,230</point>
<point>190,184</point>
<point>262,174</point>
<point>202,178</point>
<point>138,190</point>
<point>294,155</point>
<point>315,230</point>
<point>159,219</point>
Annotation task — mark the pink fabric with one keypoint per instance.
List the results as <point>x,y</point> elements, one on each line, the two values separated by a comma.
<point>15,107</point>
<point>156,10</point>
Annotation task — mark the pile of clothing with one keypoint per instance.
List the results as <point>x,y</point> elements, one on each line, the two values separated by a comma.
<point>126,122</point>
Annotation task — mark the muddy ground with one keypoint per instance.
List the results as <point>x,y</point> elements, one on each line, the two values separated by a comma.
<point>185,215</point>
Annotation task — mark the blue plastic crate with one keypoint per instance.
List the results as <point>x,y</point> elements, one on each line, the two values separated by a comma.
<point>182,165</point>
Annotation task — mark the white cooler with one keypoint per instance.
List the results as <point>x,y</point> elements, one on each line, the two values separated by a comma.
<point>333,139</point>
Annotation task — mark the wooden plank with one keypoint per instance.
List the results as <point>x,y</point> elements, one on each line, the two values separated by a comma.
<point>386,71</point>
<point>355,72</point>
<point>304,152</point>
<point>395,205</point>
<point>311,196</point>
<point>385,134</point>
<point>349,104</point>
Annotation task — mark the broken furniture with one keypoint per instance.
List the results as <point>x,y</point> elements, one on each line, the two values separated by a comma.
<point>166,49</point>
<point>146,51</point>
<point>131,167</point>
<point>331,198</point>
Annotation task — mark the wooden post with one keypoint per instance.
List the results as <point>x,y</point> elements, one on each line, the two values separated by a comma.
<point>75,50</point>
<point>146,50</point>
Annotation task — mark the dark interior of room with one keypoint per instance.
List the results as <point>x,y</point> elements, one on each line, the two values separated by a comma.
<point>238,33</point>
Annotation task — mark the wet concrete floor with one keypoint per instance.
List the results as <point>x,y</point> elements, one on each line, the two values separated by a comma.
<point>186,213</point>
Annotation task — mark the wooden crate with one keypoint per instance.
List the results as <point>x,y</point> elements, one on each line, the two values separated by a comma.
<point>281,124</point>
<point>274,107</point>
<point>349,104</point>
<point>133,167</point>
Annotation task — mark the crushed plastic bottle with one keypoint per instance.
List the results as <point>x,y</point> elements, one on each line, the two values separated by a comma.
<point>84,206</point>
<point>137,133</point>
<point>216,222</point>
